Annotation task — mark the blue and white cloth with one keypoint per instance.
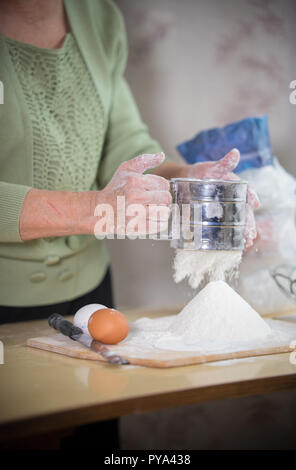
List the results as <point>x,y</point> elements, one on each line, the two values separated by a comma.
<point>250,136</point>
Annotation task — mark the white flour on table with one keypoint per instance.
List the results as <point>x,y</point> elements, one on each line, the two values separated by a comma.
<point>217,319</point>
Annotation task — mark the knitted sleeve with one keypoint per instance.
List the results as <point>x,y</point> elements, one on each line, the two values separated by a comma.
<point>12,197</point>
<point>127,136</point>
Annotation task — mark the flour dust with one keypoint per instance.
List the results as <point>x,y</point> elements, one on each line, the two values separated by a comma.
<point>200,267</point>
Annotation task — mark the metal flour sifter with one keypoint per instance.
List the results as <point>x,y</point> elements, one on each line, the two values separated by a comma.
<point>208,214</point>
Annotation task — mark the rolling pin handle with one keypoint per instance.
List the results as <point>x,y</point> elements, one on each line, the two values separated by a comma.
<point>58,322</point>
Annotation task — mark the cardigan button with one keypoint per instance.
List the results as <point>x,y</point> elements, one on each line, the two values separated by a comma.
<point>51,260</point>
<point>38,277</point>
<point>73,242</point>
<point>65,275</point>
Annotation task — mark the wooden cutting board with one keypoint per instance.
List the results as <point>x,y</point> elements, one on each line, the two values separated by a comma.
<point>153,357</point>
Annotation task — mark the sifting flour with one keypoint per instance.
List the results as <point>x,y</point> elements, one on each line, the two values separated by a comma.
<point>204,266</point>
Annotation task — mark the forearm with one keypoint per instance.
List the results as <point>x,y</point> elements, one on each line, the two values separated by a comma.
<point>62,213</point>
<point>57,213</point>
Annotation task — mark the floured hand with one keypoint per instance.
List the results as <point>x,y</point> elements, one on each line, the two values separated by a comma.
<point>143,190</point>
<point>223,169</point>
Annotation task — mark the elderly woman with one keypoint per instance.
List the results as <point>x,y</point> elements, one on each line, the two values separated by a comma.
<point>69,130</point>
<point>68,123</point>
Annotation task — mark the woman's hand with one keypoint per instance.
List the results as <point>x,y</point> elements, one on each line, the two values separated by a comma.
<point>221,169</point>
<point>63,213</point>
<point>130,194</point>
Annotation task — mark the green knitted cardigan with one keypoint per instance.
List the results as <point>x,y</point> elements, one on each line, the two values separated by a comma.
<point>68,120</point>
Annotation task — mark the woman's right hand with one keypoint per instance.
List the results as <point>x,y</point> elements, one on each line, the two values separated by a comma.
<point>125,203</point>
<point>62,213</point>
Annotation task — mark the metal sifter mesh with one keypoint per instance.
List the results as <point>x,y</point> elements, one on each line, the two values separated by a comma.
<point>208,214</point>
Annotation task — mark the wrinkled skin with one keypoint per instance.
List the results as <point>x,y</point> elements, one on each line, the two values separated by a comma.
<point>62,213</point>
<point>129,182</point>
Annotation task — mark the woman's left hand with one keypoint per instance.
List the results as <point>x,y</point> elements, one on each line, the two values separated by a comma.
<point>223,169</point>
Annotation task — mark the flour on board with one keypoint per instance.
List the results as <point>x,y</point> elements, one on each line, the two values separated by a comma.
<point>217,318</point>
<point>218,314</point>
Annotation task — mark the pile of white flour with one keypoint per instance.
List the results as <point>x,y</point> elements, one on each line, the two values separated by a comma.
<point>199,267</point>
<point>216,319</point>
<point>218,314</point>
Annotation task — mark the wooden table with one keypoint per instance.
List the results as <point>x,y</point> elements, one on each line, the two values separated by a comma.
<point>42,392</point>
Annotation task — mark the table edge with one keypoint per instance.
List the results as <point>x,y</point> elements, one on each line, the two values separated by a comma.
<point>98,412</point>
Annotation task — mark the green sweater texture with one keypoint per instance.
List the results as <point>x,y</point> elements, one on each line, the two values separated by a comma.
<point>67,122</point>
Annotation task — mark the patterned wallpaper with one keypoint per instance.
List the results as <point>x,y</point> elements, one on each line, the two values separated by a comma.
<point>195,64</point>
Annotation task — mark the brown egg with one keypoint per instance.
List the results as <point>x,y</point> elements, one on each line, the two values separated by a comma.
<point>108,326</point>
